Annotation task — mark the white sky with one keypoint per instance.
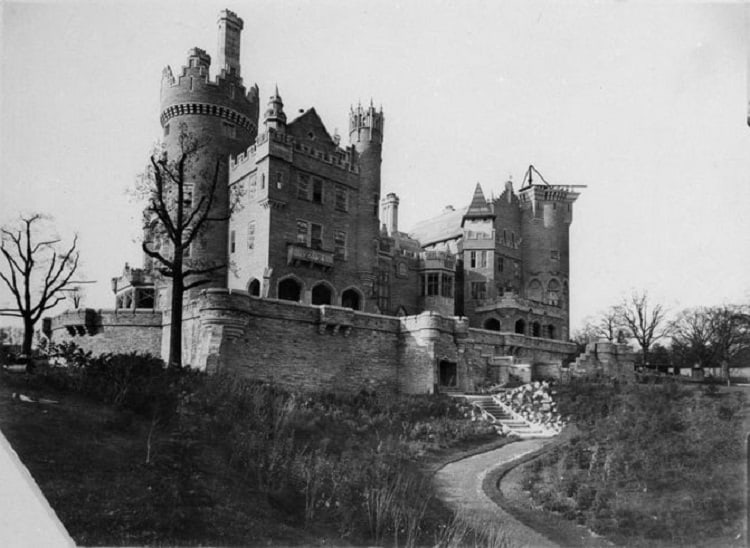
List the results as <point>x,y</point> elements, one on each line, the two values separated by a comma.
<point>646,104</point>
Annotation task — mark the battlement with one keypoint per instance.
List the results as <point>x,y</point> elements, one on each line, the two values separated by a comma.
<point>366,124</point>
<point>342,159</point>
<point>193,92</point>
<point>548,193</point>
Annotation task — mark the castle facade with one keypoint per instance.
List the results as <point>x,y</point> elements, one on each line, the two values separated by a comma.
<point>310,242</point>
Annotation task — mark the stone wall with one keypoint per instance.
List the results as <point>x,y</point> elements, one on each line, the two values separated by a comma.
<point>334,348</point>
<point>109,331</point>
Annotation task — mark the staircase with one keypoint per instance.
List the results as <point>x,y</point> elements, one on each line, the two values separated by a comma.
<point>512,423</point>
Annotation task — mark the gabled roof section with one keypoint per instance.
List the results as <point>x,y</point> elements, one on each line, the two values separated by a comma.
<point>479,208</point>
<point>308,126</point>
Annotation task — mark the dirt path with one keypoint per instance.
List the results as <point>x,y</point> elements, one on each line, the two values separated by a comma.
<point>460,486</point>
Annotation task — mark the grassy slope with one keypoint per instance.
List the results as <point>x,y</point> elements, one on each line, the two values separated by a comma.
<point>90,464</point>
<point>90,461</point>
<point>645,503</point>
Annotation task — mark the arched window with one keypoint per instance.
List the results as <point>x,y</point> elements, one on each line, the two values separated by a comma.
<point>321,294</point>
<point>493,324</point>
<point>521,327</point>
<point>551,332</point>
<point>553,292</point>
<point>534,291</point>
<point>289,290</point>
<point>536,329</point>
<point>254,288</point>
<point>351,299</point>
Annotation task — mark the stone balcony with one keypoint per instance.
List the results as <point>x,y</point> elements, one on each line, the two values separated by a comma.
<point>300,254</point>
<point>437,260</point>
<point>513,301</point>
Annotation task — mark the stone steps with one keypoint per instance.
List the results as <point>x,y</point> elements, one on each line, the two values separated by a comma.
<point>497,413</point>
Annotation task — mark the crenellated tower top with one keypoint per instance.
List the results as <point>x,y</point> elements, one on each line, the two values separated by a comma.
<point>230,29</point>
<point>366,124</point>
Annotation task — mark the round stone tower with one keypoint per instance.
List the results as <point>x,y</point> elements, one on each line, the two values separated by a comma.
<point>222,117</point>
<point>366,135</point>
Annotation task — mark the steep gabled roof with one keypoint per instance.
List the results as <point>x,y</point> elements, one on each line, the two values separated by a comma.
<point>309,126</point>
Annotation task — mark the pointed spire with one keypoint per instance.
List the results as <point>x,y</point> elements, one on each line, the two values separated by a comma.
<point>479,208</point>
<point>275,116</point>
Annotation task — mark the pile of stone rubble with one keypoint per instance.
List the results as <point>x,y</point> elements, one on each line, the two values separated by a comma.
<point>533,402</point>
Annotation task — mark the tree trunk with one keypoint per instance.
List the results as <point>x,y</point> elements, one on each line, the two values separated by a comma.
<point>175,332</point>
<point>28,336</point>
<point>725,371</point>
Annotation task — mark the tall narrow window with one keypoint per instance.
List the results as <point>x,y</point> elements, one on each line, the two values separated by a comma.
<point>262,181</point>
<point>302,231</point>
<point>473,259</point>
<point>279,180</point>
<point>316,236</point>
<point>478,290</point>
<point>303,187</point>
<point>433,283</point>
<point>252,186</point>
<point>447,286</point>
<point>251,235</point>
<point>339,244</point>
<point>500,264</point>
<point>342,198</point>
<point>232,241</point>
<point>317,193</point>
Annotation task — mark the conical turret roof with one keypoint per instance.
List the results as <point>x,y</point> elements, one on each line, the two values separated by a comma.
<point>479,208</point>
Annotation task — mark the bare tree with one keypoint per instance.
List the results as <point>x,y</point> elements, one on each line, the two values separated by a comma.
<point>712,336</point>
<point>646,321</point>
<point>34,267</point>
<point>732,334</point>
<point>607,325</point>
<point>175,219</point>
<point>693,337</point>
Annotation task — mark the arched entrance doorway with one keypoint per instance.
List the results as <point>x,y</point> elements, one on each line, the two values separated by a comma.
<point>254,288</point>
<point>493,324</point>
<point>321,294</point>
<point>289,290</point>
<point>350,299</point>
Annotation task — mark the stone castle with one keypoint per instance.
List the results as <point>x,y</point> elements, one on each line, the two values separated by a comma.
<point>321,287</point>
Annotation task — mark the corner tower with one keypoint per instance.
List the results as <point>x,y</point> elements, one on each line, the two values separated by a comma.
<point>366,135</point>
<point>546,214</point>
<point>223,117</point>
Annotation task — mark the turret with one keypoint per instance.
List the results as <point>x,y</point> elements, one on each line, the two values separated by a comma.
<point>230,29</point>
<point>390,213</point>
<point>274,117</point>
<point>546,214</point>
<point>366,135</point>
<point>223,118</point>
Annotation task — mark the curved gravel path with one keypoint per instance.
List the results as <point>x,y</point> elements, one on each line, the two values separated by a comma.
<point>459,484</point>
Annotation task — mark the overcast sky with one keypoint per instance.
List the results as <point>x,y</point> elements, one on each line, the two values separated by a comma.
<point>644,104</point>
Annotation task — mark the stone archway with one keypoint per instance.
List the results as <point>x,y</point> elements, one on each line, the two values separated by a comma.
<point>351,298</point>
<point>322,294</point>
<point>289,290</point>
<point>493,324</point>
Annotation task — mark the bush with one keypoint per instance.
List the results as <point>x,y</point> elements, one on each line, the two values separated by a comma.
<point>673,455</point>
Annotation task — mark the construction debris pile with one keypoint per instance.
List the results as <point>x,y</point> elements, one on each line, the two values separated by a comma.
<point>533,401</point>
